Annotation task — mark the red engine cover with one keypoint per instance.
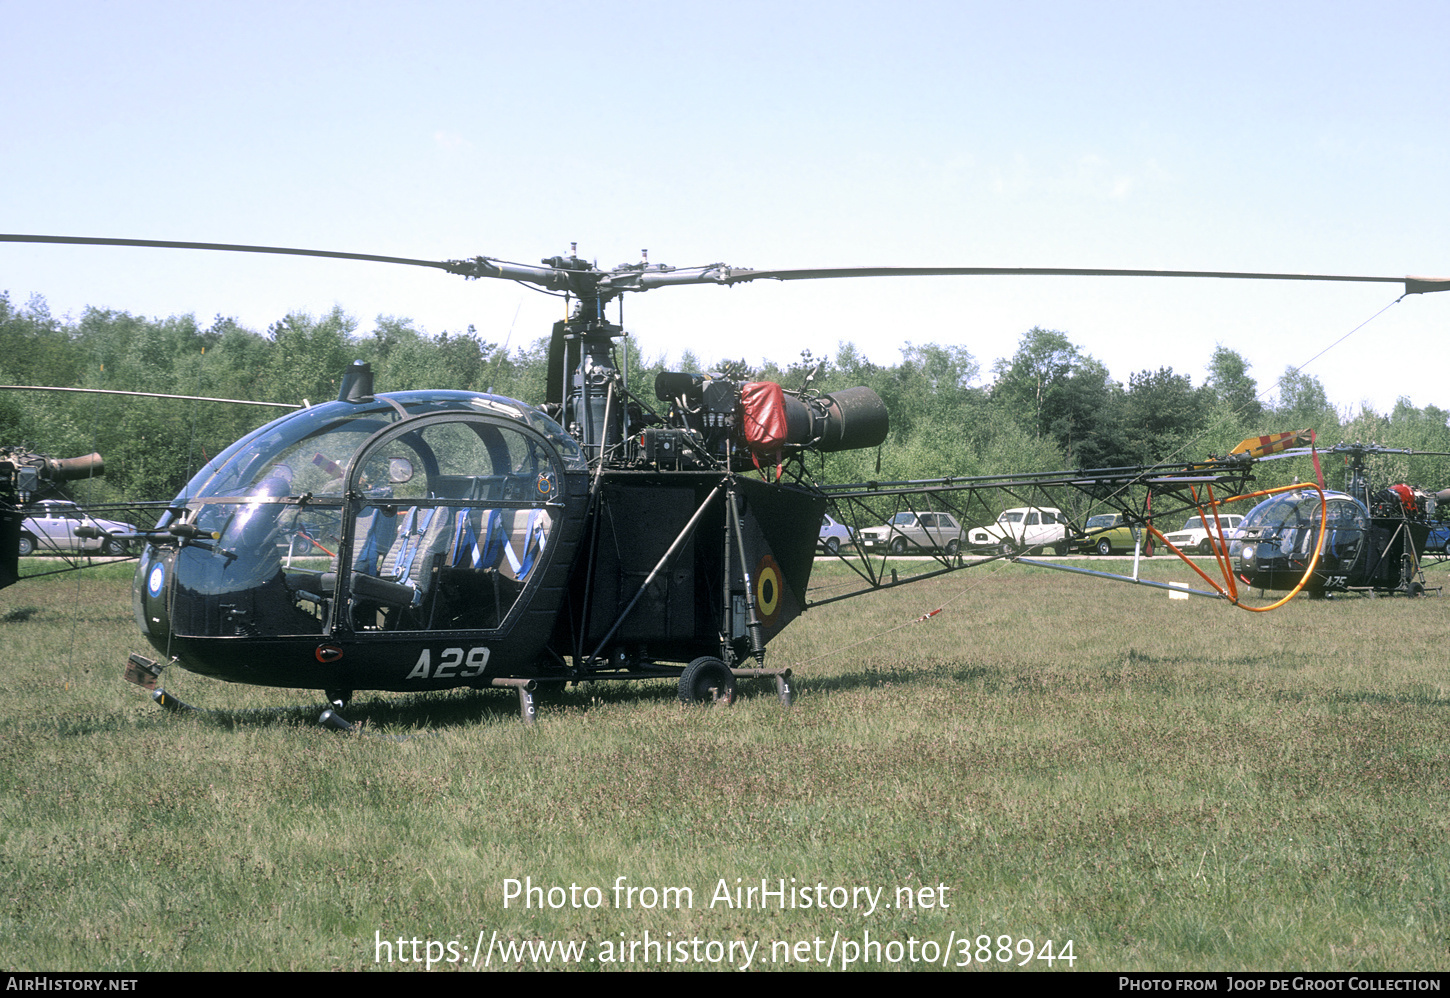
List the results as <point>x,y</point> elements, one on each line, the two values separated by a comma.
<point>763,407</point>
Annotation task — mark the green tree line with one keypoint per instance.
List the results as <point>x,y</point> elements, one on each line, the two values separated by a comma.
<point>1050,405</point>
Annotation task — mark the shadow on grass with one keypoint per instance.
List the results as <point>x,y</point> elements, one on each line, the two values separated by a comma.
<point>870,678</point>
<point>396,717</point>
<point>1134,670</point>
<point>404,715</point>
<point>1371,698</point>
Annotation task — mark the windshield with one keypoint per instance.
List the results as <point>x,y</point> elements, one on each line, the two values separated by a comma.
<point>1101,521</point>
<point>1010,518</point>
<point>308,452</point>
<point>1298,510</point>
<point>1288,526</point>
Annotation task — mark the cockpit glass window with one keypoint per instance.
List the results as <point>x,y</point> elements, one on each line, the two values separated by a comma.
<point>450,519</point>
<point>455,546</point>
<point>1290,524</point>
<point>1345,513</point>
<point>290,457</point>
<point>1299,510</point>
<point>308,451</point>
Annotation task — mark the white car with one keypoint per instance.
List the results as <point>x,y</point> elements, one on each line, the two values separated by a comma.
<point>833,534</point>
<point>1194,535</point>
<point>52,523</point>
<point>1026,527</point>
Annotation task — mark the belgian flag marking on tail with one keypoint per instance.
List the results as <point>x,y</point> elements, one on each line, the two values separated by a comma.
<point>767,589</point>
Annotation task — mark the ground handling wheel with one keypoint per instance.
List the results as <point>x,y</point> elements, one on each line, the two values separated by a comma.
<point>704,675</point>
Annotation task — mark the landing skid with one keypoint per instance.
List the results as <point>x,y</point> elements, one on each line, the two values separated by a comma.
<point>717,687</point>
<point>146,673</point>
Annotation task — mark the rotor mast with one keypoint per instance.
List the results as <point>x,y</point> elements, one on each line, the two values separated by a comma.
<point>582,364</point>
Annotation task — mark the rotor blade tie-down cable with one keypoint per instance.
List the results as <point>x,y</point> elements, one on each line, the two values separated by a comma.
<point>1183,448</point>
<point>1190,443</point>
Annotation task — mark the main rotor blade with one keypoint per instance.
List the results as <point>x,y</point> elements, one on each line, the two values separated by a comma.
<point>587,280</point>
<point>1413,285</point>
<point>1372,449</point>
<point>224,247</point>
<point>149,395</point>
<point>481,266</point>
<point>581,281</point>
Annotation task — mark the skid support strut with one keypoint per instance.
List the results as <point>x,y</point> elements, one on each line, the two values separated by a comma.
<point>528,712</point>
<point>781,676</point>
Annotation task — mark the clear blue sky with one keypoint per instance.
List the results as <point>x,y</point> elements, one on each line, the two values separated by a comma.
<point>1293,136</point>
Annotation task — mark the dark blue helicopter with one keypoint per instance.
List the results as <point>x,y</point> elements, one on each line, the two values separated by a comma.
<point>424,540</point>
<point>1350,541</point>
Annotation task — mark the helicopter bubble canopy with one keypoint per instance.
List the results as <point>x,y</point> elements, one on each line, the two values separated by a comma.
<point>319,522</point>
<point>308,449</point>
<point>1279,535</point>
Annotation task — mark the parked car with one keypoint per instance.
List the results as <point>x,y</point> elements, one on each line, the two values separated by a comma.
<point>916,532</point>
<point>1028,527</point>
<point>1106,533</point>
<point>52,527</point>
<point>1194,535</point>
<point>833,534</point>
<point>1439,537</point>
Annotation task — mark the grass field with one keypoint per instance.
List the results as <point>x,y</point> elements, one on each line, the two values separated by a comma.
<point>1169,785</point>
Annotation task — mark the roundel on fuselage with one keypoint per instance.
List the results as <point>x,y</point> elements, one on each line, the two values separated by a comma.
<point>768,583</point>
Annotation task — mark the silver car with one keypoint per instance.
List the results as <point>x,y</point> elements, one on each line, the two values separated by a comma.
<point>52,527</point>
<point>916,532</point>
<point>833,534</point>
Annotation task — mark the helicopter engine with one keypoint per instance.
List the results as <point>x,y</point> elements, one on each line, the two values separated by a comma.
<point>720,422</point>
<point>1402,502</point>
<point>24,476</point>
